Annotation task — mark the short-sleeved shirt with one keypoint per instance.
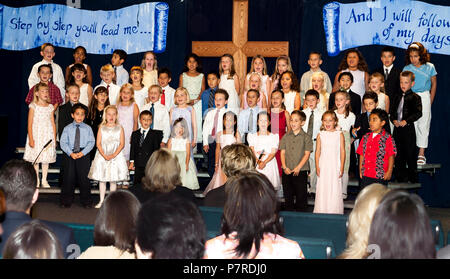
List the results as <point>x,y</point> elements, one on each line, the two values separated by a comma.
<point>54,94</point>
<point>422,75</point>
<point>295,147</point>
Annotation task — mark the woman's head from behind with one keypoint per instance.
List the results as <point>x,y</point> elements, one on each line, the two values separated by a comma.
<point>162,172</point>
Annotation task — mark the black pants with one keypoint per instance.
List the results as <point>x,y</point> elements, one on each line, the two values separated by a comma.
<point>139,173</point>
<point>295,186</point>
<point>366,181</point>
<point>211,159</point>
<point>405,141</point>
<point>76,172</point>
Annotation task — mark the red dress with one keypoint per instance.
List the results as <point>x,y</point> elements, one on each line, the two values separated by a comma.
<point>278,126</point>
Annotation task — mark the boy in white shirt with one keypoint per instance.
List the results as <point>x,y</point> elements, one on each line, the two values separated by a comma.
<point>107,74</point>
<point>161,119</point>
<point>164,78</point>
<point>118,58</point>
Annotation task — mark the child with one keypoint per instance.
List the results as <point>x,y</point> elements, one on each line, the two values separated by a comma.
<point>295,148</point>
<point>96,109</point>
<point>48,53</point>
<point>164,78</point>
<point>140,91</point>
<point>227,136</point>
<point>150,66</point>
<point>330,158</point>
<point>41,130</point>
<point>406,109</point>
<point>160,113</point>
<point>179,145</point>
<point>118,58</point>
<point>314,62</point>
<point>45,74</point>
<point>258,65</point>
<point>247,119</point>
<point>289,86</point>
<point>279,119</point>
<point>76,141</point>
<point>208,101</point>
<point>312,125</point>
<point>109,164</point>
<point>346,120</point>
<point>143,143</point>
<point>78,76</point>
<point>65,111</point>
<point>264,145</point>
<point>79,55</point>
<point>418,62</point>
<point>107,74</point>
<point>255,83</point>
<point>318,84</point>
<point>376,84</point>
<point>128,114</point>
<point>376,151</point>
<point>229,81</point>
<point>282,64</point>
<point>390,72</point>
<point>345,83</point>
<point>361,127</point>
<point>212,126</point>
<point>183,110</point>
<point>354,63</point>
<point>194,81</point>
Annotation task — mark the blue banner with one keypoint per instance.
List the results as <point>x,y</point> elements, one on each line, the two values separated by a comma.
<point>396,23</point>
<point>136,28</point>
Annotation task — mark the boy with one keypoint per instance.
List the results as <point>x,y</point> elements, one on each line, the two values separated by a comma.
<point>212,125</point>
<point>121,75</point>
<point>375,145</point>
<point>76,141</point>
<point>144,142</point>
<point>390,73</point>
<point>45,74</point>
<point>405,110</point>
<point>160,113</point>
<point>345,82</point>
<point>314,62</point>
<point>313,122</point>
<point>107,74</point>
<point>208,95</point>
<point>168,93</point>
<point>47,53</point>
<point>65,111</point>
<point>295,147</point>
<point>247,119</point>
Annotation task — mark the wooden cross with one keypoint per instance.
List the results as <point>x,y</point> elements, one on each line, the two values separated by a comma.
<point>240,47</point>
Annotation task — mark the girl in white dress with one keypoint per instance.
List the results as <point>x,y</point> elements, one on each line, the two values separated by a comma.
<point>376,84</point>
<point>78,75</point>
<point>140,91</point>
<point>41,129</point>
<point>128,114</point>
<point>289,86</point>
<point>229,81</point>
<point>109,163</point>
<point>318,84</point>
<point>150,65</point>
<point>259,66</point>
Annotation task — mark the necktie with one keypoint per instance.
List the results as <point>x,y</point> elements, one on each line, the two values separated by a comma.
<point>141,140</point>
<point>250,121</point>
<point>310,124</point>
<point>400,108</point>
<point>163,98</point>
<point>386,74</point>
<point>115,75</point>
<point>152,111</point>
<point>107,89</point>
<point>216,119</point>
<point>76,144</point>
<point>211,99</point>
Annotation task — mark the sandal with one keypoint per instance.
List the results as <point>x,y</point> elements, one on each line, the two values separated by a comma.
<point>421,160</point>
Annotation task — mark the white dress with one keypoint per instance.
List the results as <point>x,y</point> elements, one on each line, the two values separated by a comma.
<point>289,101</point>
<point>115,169</point>
<point>139,97</point>
<point>233,96</point>
<point>381,101</point>
<point>267,144</point>
<point>189,178</point>
<point>84,98</point>
<point>194,87</point>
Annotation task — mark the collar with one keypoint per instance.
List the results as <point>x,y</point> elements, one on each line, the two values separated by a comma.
<point>103,83</point>
<point>155,103</point>
<point>300,133</point>
<point>318,70</point>
<point>388,68</point>
<point>119,67</point>
<point>46,62</point>
<point>75,123</point>
<point>17,215</point>
<point>145,130</point>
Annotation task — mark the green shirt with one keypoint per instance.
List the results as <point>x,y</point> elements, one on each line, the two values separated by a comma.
<point>295,147</point>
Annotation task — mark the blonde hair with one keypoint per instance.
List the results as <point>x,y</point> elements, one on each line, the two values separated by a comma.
<point>184,90</point>
<point>162,172</point>
<point>127,86</point>
<point>322,91</point>
<point>236,158</point>
<point>360,219</point>
<point>259,77</point>
<point>252,68</point>
<point>348,107</point>
<point>105,112</point>
<point>108,68</point>
<point>276,74</point>
<point>155,65</point>
<point>36,90</point>
<point>140,70</point>
<point>156,86</point>
<point>333,115</point>
<point>381,77</point>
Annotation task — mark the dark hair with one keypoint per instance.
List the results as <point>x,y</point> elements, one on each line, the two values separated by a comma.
<point>165,71</point>
<point>46,65</point>
<point>144,113</point>
<point>423,53</point>
<point>266,113</point>
<point>295,85</point>
<point>122,54</point>
<point>80,47</point>
<point>382,114</point>
<point>362,65</point>
<point>370,95</point>
<point>316,53</point>
<point>300,114</point>
<point>32,240</point>
<point>77,67</point>
<point>196,58</point>
<point>283,106</point>
<point>235,122</point>
<point>79,106</point>
<point>312,92</point>
<point>223,92</point>
<point>109,229</point>
<point>213,73</point>
<point>92,111</point>
<point>409,74</point>
<point>18,182</point>
<point>250,210</point>
<point>2,203</point>
<point>401,228</point>
<point>350,75</point>
<point>171,227</point>
<point>388,49</point>
<point>254,90</point>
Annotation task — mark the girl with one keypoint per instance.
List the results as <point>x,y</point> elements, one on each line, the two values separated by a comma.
<point>229,81</point>
<point>354,63</point>
<point>282,65</point>
<point>255,83</point>
<point>227,136</point>
<point>79,55</point>
<point>179,144</point>
<point>183,110</point>
<point>289,86</point>
<point>318,84</point>
<point>96,109</point>
<point>140,91</point>
<point>41,129</point>
<point>78,76</point>
<point>418,62</point>
<point>330,157</point>
<point>264,145</point>
<point>194,81</point>
<point>109,164</point>
<point>150,66</point>
<point>376,84</point>
<point>279,119</point>
<point>259,66</point>
<point>346,120</point>
<point>128,114</point>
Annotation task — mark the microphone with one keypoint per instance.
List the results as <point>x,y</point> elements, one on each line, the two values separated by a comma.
<point>45,146</point>
<point>260,156</point>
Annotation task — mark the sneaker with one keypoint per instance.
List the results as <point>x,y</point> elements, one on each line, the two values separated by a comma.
<point>421,160</point>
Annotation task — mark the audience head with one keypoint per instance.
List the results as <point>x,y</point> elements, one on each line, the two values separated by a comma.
<point>2,209</point>
<point>162,172</point>
<point>236,158</point>
<point>170,227</point>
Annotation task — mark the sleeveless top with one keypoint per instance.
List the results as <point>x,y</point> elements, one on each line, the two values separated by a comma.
<point>84,99</point>
<point>150,78</point>
<point>381,101</point>
<point>233,99</point>
<point>289,101</point>
<point>193,85</point>
<point>179,144</point>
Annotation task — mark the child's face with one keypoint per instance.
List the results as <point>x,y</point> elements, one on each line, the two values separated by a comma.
<point>79,56</point>
<point>101,97</point>
<point>229,121</point>
<point>286,81</point>
<point>406,83</point>
<point>263,122</point>
<point>311,101</point>
<point>369,105</point>
<point>115,60</point>
<point>414,57</point>
<point>163,79</point>
<point>111,116</point>
<point>45,74</point>
<point>375,84</point>
<point>179,130</point>
<point>345,82</point>
<point>282,66</point>
<point>213,81</point>
<point>353,60</point>
<point>340,100</point>
<point>254,82</point>
<point>258,65</point>
<point>74,94</point>
<point>136,76</point>
<point>387,58</point>
<point>276,100</point>
<point>252,99</point>
<point>43,94</point>
<point>180,97</point>
<point>78,115</point>
<point>153,95</point>
<point>317,83</point>
<point>219,100</point>
<point>149,61</point>
<point>296,122</point>
<point>225,63</point>
<point>192,64</point>
<point>328,122</point>
<point>48,53</point>
<point>314,61</point>
<point>375,123</point>
<point>146,121</point>
<point>126,94</point>
<point>78,75</point>
<point>107,76</point>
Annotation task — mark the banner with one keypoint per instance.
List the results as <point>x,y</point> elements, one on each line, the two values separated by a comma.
<point>396,23</point>
<point>136,28</point>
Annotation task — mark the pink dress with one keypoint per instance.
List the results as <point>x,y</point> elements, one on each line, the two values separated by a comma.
<point>127,121</point>
<point>329,184</point>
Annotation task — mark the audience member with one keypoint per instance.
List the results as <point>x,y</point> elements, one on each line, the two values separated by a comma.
<point>2,210</point>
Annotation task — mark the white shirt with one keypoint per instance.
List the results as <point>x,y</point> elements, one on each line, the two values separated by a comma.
<point>243,121</point>
<point>317,121</point>
<point>160,120</point>
<point>113,92</point>
<point>140,96</point>
<point>169,93</point>
<point>57,77</point>
<point>388,68</point>
<point>208,124</point>
<point>345,123</point>
<point>122,76</point>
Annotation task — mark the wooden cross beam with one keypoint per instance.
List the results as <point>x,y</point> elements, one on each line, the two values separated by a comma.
<point>240,47</point>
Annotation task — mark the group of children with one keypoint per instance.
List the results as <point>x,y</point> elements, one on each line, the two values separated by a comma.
<point>297,131</point>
